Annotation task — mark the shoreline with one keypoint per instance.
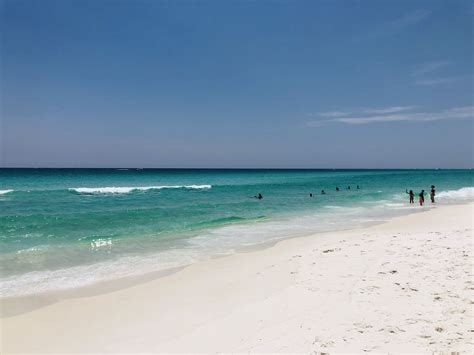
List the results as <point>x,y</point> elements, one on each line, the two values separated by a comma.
<point>18,304</point>
<point>138,276</point>
<point>402,285</point>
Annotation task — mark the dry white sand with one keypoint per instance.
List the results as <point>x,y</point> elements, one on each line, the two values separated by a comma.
<point>406,285</point>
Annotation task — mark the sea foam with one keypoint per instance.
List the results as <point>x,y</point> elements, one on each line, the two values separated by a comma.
<point>125,190</point>
<point>3,192</point>
<point>465,193</point>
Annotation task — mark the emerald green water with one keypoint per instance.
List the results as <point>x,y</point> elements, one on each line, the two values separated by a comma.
<point>70,227</point>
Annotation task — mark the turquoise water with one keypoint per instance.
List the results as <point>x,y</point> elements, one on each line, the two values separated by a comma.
<point>71,227</point>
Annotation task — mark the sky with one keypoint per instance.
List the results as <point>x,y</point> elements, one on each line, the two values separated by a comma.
<point>236,84</point>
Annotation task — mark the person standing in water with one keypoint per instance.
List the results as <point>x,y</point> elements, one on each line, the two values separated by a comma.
<point>310,194</point>
<point>432,194</point>
<point>421,197</point>
<point>259,196</point>
<point>412,195</point>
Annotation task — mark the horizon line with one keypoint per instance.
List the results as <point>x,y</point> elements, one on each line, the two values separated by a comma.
<point>226,168</point>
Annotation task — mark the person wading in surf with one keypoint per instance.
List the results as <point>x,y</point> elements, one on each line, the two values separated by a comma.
<point>421,197</point>
<point>432,194</point>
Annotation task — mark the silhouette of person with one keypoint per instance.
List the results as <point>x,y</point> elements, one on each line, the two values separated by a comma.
<point>323,192</point>
<point>412,195</point>
<point>421,197</point>
<point>432,194</point>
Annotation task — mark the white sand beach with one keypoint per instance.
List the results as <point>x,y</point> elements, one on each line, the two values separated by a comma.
<point>405,285</point>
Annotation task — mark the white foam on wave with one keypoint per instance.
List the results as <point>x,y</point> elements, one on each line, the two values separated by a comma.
<point>333,207</point>
<point>83,275</point>
<point>396,205</point>
<point>463,194</point>
<point>124,190</point>
<point>3,192</point>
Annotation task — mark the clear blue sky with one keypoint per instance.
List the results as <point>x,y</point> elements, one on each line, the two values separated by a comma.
<point>317,84</point>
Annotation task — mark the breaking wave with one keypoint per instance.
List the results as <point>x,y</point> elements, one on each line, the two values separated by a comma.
<point>3,192</point>
<point>125,190</point>
<point>465,193</point>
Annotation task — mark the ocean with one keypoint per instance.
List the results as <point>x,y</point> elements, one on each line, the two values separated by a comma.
<point>65,228</point>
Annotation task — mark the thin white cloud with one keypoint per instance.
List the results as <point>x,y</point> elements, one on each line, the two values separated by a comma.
<point>436,81</point>
<point>453,113</point>
<point>391,114</point>
<point>430,67</point>
<point>427,74</point>
<point>334,114</point>
<point>410,18</point>
<point>388,109</point>
<point>395,25</point>
<point>392,109</point>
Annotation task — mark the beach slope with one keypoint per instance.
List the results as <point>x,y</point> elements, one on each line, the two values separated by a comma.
<point>405,285</point>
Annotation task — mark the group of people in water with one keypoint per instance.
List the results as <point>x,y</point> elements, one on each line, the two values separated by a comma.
<point>337,189</point>
<point>421,195</point>
<point>259,195</point>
